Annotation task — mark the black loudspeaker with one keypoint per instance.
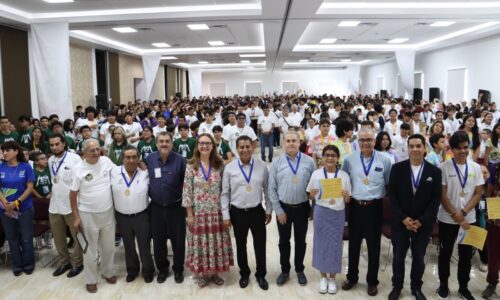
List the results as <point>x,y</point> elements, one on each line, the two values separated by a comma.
<point>383,93</point>
<point>178,95</point>
<point>484,96</point>
<point>417,94</point>
<point>434,93</point>
<point>101,103</point>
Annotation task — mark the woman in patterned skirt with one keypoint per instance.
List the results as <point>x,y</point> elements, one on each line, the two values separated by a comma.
<point>329,219</point>
<point>209,250</point>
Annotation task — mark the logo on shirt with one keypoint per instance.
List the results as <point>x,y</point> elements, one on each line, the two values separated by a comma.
<point>89,177</point>
<point>22,173</point>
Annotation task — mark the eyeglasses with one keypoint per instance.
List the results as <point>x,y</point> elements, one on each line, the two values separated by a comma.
<point>205,144</point>
<point>330,156</point>
<point>365,141</point>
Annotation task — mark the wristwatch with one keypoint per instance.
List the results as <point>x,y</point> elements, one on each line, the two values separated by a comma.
<point>463,212</point>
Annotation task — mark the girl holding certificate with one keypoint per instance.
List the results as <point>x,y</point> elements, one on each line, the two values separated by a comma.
<point>329,218</point>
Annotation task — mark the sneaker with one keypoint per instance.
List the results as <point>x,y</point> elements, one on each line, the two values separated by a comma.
<point>465,294</point>
<point>332,286</point>
<point>323,285</point>
<point>482,267</point>
<point>443,292</point>
<point>489,291</point>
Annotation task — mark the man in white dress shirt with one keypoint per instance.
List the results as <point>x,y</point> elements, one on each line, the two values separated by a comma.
<point>92,206</point>
<point>244,182</point>
<point>393,126</point>
<point>61,163</point>
<point>239,130</point>
<point>130,186</point>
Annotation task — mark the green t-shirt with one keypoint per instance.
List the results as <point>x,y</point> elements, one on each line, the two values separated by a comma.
<point>47,132</point>
<point>185,148</point>
<point>115,153</point>
<point>146,148</point>
<point>42,147</point>
<point>223,149</point>
<point>24,138</point>
<point>70,142</point>
<point>12,136</point>
<point>43,183</point>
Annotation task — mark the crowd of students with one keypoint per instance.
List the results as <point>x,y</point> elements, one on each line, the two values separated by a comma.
<point>208,144</point>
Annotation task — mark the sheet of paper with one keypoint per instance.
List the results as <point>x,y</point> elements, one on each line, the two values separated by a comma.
<point>331,188</point>
<point>475,236</point>
<point>493,205</point>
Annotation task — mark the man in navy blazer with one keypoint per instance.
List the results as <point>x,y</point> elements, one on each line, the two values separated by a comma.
<point>414,192</point>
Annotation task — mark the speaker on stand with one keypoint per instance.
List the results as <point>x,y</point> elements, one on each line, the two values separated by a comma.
<point>417,94</point>
<point>434,93</point>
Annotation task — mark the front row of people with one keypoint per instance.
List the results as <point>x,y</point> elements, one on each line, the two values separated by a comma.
<point>207,199</point>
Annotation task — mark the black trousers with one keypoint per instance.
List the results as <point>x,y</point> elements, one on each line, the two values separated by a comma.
<point>365,222</point>
<point>298,217</point>
<point>169,223</point>
<point>138,227</point>
<point>402,239</point>
<point>447,236</point>
<point>250,220</point>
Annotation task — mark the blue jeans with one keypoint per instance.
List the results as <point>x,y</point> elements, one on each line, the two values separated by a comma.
<point>266,140</point>
<point>19,234</point>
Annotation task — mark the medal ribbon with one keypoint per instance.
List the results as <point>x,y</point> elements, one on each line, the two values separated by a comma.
<point>367,169</point>
<point>294,170</point>
<point>59,165</point>
<point>459,174</point>
<point>336,173</point>
<point>416,181</point>
<point>205,174</point>
<point>247,178</point>
<point>127,183</point>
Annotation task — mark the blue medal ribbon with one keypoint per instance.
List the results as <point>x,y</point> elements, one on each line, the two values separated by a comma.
<point>367,169</point>
<point>459,174</point>
<point>59,165</point>
<point>336,173</point>
<point>127,183</point>
<point>294,170</point>
<point>204,173</point>
<point>247,178</point>
<point>416,181</point>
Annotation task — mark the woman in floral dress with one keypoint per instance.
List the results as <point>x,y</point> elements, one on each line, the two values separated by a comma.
<point>209,250</point>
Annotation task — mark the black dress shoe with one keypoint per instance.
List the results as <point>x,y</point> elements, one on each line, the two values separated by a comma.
<point>282,278</point>
<point>28,272</point>
<point>394,294</point>
<point>18,273</point>
<point>75,271</point>
<point>244,282</point>
<point>372,290</point>
<point>148,278</point>
<point>301,278</point>
<point>62,269</point>
<point>348,284</point>
<point>130,277</point>
<point>162,277</point>
<point>178,277</point>
<point>418,294</point>
<point>262,283</point>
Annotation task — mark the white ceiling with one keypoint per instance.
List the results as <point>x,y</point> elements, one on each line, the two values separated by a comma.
<point>285,31</point>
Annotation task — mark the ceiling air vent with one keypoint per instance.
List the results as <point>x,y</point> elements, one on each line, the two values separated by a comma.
<point>367,24</point>
<point>145,29</point>
<point>218,26</point>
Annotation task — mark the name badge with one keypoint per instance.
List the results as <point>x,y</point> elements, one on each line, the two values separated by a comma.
<point>377,169</point>
<point>157,173</point>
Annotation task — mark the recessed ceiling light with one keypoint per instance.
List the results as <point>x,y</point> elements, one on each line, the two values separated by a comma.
<point>203,62</point>
<point>442,23</point>
<point>160,45</point>
<point>216,43</point>
<point>304,60</point>
<point>124,29</point>
<point>244,61</point>
<point>327,41</point>
<point>397,41</point>
<point>345,60</point>
<point>253,55</point>
<point>169,57</point>
<point>250,67</point>
<point>198,26</point>
<point>58,1</point>
<point>349,23</point>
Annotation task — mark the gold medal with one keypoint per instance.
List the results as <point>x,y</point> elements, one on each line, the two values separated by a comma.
<point>249,188</point>
<point>332,202</point>
<point>462,194</point>
<point>54,180</point>
<point>127,192</point>
<point>295,179</point>
<point>366,181</point>
<point>206,186</point>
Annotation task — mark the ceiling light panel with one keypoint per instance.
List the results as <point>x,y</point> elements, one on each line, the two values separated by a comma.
<point>327,41</point>
<point>58,1</point>
<point>349,23</point>
<point>169,58</point>
<point>161,45</point>
<point>198,26</point>
<point>244,61</point>
<point>252,55</point>
<point>124,29</point>
<point>397,41</point>
<point>203,62</point>
<point>442,24</point>
<point>216,43</point>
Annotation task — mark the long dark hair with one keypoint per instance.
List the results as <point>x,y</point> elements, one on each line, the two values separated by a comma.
<point>378,141</point>
<point>11,145</point>
<point>475,131</point>
<point>215,159</point>
<point>494,135</point>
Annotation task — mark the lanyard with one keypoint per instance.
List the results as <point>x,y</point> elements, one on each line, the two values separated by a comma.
<point>59,165</point>
<point>294,170</point>
<point>366,169</point>
<point>416,181</point>
<point>247,178</point>
<point>127,183</point>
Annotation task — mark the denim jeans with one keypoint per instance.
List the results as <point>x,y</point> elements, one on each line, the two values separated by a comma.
<point>19,234</point>
<point>266,140</point>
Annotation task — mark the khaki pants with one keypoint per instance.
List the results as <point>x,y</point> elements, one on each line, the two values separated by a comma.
<point>58,224</point>
<point>99,229</point>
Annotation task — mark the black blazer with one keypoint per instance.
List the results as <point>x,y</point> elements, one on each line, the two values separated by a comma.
<point>424,204</point>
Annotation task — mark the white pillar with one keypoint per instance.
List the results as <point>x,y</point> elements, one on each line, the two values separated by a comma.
<point>150,64</point>
<point>406,65</point>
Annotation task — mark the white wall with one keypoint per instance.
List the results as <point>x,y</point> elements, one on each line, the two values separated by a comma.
<point>311,81</point>
<point>480,58</point>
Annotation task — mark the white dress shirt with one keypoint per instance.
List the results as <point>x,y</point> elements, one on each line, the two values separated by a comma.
<point>59,201</point>
<point>138,200</point>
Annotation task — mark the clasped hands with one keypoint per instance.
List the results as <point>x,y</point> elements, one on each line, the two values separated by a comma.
<point>412,225</point>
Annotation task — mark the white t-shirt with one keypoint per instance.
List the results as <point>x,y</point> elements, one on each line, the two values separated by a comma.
<point>138,200</point>
<point>157,129</point>
<point>226,131</point>
<point>59,201</point>
<point>266,123</point>
<point>236,132</point>
<point>82,122</point>
<point>93,184</point>
<point>400,145</point>
<point>134,128</point>
<point>254,112</point>
<point>191,119</point>
<point>393,129</point>
<point>314,183</point>
<point>450,179</point>
<point>206,128</point>
<point>108,138</point>
<point>294,119</point>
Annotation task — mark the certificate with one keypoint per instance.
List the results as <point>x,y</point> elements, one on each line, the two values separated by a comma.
<point>330,188</point>
<point>475,236</point>
<point>493,205</point>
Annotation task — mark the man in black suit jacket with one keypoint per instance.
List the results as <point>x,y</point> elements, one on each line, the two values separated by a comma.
<point>414,192</point>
